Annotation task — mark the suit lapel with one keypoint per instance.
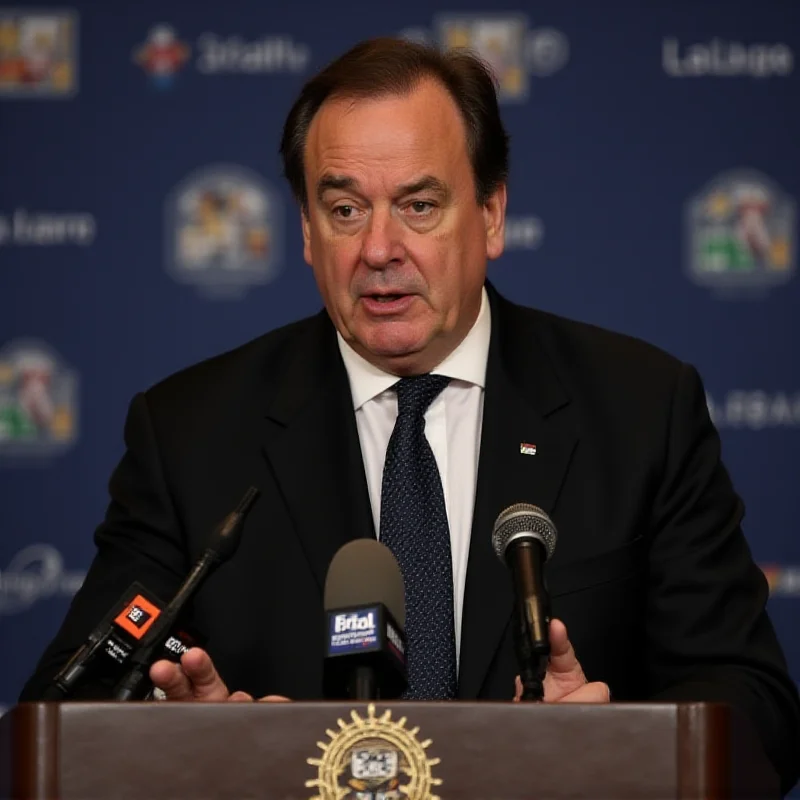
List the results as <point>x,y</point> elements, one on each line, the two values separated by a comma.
<point>524,402</point>
<point>311,443</point>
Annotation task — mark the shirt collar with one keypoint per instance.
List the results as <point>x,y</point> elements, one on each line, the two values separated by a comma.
<point>466,363</point>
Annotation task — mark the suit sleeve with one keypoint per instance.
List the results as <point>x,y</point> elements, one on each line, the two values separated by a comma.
<point>709,636</point>
<point>139,540</point>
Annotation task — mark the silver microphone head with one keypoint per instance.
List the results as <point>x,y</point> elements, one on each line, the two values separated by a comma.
<point>523,521</point>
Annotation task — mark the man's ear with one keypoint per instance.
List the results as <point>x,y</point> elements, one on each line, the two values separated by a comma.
<point>306,225</point>
<point>494,215</point>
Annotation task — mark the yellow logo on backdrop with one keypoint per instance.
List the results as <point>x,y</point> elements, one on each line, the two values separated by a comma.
<point>38,53</point>
<point>513,49</point>
<point>224,230</point>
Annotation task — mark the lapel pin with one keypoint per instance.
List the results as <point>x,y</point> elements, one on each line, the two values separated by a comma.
<point>527,449</point>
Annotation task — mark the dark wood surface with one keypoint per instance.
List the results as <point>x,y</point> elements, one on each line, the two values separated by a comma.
<point>487,751</point>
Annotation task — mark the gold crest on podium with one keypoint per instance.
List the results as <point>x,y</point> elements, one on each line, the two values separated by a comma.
<point>374,758</point>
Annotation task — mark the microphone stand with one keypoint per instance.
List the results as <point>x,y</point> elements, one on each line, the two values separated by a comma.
<point>74,669</point>
<point>532,631</point>
<point>363,684</point>
<point>532,664</point>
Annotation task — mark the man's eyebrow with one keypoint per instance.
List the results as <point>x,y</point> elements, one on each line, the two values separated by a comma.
<point>425,184</point>
<point>327,182</point>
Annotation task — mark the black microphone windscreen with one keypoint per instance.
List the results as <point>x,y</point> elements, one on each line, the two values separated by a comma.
<point>364,572</point>
<point>225,538</point>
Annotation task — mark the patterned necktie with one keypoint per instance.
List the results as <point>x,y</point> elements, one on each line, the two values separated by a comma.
<point>414,527</point>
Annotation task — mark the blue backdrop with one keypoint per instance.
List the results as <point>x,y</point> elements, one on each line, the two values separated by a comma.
<point>144,225</point>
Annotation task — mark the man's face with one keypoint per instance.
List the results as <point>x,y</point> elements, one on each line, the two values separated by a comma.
<point>394,233</point>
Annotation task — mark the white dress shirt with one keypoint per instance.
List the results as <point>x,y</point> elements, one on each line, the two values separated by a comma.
<point>452,427</point>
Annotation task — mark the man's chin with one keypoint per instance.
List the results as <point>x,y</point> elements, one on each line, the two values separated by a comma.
<point>391,353</point>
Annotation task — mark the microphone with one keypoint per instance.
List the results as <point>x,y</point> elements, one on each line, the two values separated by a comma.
<point>134,612</point>
<point>523,538</point>
<point>113,640</point>
<point>365,645</point>
<point>221,546</point>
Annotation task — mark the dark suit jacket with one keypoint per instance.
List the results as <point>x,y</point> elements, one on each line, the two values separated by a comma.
<point>651,573</point>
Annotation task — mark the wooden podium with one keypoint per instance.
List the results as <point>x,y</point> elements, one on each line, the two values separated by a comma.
<point>283,751</point>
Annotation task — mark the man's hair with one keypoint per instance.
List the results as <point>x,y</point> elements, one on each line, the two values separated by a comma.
<point>383,67</point>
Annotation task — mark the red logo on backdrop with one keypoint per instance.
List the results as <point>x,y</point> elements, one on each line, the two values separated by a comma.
<point>162,56</point>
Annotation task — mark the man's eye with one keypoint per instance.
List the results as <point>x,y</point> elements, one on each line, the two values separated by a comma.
<point>344,212</point>
<point>421,206</point>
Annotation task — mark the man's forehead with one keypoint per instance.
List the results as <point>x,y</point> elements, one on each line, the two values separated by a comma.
<point>422,118</point>
<point>388,145</point>
<point>420,93</point>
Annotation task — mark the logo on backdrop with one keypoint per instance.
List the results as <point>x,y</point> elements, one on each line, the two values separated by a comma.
<point>523,233</point>
<point>755,409</point>
<point>506,42</point>
<point>38,401</point>
<point>38,53</point>
<point>783,580</point>
<point>25,228</point>
<point>224,228</point>
<point>720,58</point>
<point>163,54</point>
<point>36,573</point>
<point>741,230</point>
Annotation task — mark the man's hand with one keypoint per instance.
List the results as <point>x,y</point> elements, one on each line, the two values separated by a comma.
<point>564,681</point>
<point>196,678</point>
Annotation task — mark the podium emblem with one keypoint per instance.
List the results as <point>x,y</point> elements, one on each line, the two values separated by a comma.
<point>374,758</point>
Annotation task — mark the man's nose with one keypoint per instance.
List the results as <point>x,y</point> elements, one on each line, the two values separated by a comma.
<point>382,244</point>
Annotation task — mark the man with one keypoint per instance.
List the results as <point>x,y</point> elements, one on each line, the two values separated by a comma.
<point>398,158</point>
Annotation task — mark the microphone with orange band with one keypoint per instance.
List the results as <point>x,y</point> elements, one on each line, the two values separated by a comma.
<point>222,545</point>
<point>141,628</point>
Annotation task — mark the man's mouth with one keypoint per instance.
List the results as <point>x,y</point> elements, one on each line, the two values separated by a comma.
<point>385,298</point>
<point>387,303</point>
